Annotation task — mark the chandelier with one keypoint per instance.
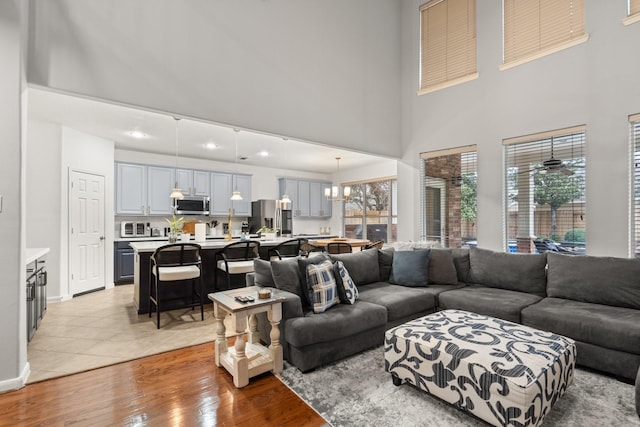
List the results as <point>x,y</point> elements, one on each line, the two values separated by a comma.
<point>333,193</point>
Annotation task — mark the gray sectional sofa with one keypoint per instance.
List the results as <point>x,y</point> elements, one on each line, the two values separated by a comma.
<point>594,300</point>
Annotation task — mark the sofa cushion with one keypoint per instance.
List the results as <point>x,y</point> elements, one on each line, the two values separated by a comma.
<point>385,262</point>
<point>401,301</point>
<point>263,276</point>
<point>599,280</point>
<point>617,328</point>
<point>494,302</point>
<point>515,272</point>
<point>362,265</point>
<point>461,261</point>
<point>347,290</point>
<point>340,322</point>
<point>442,270</point>
<point>321,286</point>
<point>410,268</point>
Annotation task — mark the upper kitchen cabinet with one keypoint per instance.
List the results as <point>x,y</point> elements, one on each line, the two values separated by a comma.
<point>194,182</point>
<point>222,187</point>
<point>143,190</point>
<point>160,182</point>
<point>131,189</point>
<point>307,197</point>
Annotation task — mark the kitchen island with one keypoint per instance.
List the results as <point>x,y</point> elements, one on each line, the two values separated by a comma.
<point>144,249</point>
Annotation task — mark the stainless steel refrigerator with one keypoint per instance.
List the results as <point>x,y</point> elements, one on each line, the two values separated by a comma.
<point>272,214</point>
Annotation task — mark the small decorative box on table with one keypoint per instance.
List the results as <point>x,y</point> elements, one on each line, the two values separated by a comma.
<point>501,372</point>
<point>247,359</point>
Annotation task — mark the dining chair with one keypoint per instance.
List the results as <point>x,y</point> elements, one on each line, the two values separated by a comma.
<point>287,249</point>
<point>339,248</point>
<point>377,244</point>
<point>236,258</point>
<point>172,265</point>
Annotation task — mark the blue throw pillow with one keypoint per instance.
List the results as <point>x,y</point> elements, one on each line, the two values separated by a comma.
<point>347,291</point>
<point>410,268</point>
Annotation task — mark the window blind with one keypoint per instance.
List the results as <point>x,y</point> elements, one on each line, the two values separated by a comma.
<point>448,42</point>
<point>537,27</point>
<point>545,192</point>
<point>635,192</point>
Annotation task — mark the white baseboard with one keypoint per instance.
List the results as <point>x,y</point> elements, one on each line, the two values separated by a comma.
<point>16,383</point>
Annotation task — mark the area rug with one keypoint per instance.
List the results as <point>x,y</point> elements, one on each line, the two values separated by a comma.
<point>358,392</point>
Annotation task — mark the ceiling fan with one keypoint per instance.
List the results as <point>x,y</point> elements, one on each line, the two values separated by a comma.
<point>552,165</point>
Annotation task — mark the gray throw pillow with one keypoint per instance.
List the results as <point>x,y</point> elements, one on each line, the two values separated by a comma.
<point>362,265</point>
<point>385,261</point>
<point>442,270</point>
<point>595,279</point>
<point>263,276</point>
<point>514,272</point>
<point>287,278</point>
<point>410,268</point>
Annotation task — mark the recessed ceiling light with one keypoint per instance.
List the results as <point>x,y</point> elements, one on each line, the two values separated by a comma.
<point>263,153</point>
<point>210,146</point>
<point>137,134</point>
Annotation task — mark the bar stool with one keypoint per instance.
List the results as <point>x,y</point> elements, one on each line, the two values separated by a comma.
<point>171,264</point>
<point>236,258</point>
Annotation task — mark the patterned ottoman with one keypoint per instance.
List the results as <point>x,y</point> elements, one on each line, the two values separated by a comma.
<point>501,372</point>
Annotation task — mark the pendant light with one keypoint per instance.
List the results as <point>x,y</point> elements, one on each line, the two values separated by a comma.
<point>236,193</point>
<point>333,193</point>
<point>176,193</point>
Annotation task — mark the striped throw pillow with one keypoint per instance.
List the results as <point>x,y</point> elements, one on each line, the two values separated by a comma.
<point>322,286</point>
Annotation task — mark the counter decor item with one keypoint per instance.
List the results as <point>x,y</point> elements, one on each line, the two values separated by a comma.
<point>267,233</point>
<point>175,226</point>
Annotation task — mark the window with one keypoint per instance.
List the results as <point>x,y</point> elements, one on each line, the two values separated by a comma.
<point>635,193</point>
<point>534,28</point>
<point>545,192</point>
<point>447,44</point>
<point>370,213</point>
<point>449,199</point>
<point>633,12</point>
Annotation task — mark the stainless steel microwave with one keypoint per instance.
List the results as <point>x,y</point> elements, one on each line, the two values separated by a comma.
<point>193,205</point>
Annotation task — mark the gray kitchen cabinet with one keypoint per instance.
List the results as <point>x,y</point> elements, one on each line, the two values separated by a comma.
<point>131,189</point>
<point>123,265</point>
<point>303,199</point>
<point>325,204</point>
<point>222,187</point>
<point>220,193</point>
<point>160,181</point>
<point>243,184</point>
<point>36,294</point>
<point>194,182</point>
<point>307,197</point>
<point>143,190</point>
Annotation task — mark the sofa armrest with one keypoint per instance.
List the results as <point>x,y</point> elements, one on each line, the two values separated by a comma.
<point>250,279</point>
<point>291,308</point>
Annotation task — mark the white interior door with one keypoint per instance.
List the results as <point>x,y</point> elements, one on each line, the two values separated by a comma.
<point>86,233</point>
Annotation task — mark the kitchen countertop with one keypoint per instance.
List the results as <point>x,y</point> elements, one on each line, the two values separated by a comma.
<point>214,243</point>
<point>33,254</point>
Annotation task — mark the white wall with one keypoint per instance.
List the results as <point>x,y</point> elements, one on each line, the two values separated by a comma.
<point>593,83</point>
<point>319,71</point>
<point>53,152</point>
<point>14,367</point>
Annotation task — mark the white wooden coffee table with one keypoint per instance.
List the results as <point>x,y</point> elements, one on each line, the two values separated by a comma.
<point>247,359</point>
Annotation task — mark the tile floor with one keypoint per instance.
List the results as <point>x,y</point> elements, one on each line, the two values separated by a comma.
<point>103,328</point>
